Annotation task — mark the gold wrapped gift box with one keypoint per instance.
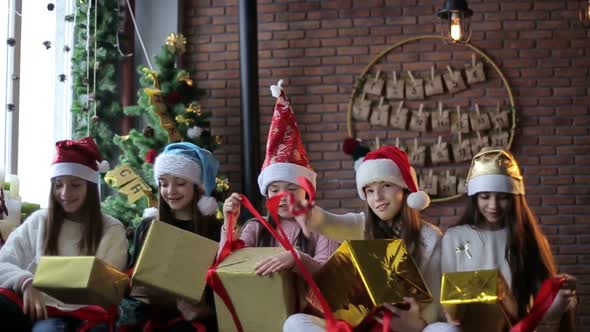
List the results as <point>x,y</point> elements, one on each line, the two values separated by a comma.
<point>363,274</point>
<point>261,303</point>
<point>82,280</point>
<point>172,264</point>
<point>477,299</point>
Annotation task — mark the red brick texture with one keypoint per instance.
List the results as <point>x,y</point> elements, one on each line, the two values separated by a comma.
<point>320,47</point>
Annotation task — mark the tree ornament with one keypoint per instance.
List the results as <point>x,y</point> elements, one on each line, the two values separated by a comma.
<point>150,156</point>
<point>94,119</point>
<point>173,97</point>
<point>11,41</point>
<point>176,43</point>
<point>221,185</point>
<point>194,108</point>
<point>47,44</point>
<point>181,119</point>
<point>186,78</point>
<point>50,6</point>
<point>85,109</point>
<point>91,97</point>
<point>194,132</point>
<point>85,81</point>
<point>148,132</point>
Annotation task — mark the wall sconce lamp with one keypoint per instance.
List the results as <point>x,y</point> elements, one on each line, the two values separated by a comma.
<point>456,14</point>
<point>585,13</point>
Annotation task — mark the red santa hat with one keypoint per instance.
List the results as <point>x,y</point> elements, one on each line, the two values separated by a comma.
<point>390,164</point>
<point>286,158</point>
<point>79,158</point>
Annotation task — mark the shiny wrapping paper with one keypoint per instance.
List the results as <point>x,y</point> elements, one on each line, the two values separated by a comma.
<point>172,264</point>
<point>84,280</point>
<point>261,303</point>
<point>363,274</point>
<point>478,298</point>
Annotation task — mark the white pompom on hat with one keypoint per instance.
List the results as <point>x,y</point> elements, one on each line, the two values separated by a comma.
<point>390,164</point>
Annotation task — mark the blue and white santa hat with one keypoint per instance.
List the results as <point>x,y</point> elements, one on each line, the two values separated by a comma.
<point>193,163</point>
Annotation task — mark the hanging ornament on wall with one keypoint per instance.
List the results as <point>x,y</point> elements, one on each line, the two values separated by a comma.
<point>69,18</point>
<point>66,48</point>
<point>62,77</point>
<point>456,14</point>
<point>50,6</point>
<point>11,41</point>
<point>47,44</point>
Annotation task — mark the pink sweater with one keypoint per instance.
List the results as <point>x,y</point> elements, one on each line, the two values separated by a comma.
<point>322,246</point>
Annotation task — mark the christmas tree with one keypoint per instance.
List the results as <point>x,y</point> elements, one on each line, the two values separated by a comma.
<point>169,105</point>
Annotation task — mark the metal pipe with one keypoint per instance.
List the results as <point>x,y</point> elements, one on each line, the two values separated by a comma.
<point>249,108</point>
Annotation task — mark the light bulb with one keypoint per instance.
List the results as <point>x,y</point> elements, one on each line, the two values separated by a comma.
<point>456,32</point>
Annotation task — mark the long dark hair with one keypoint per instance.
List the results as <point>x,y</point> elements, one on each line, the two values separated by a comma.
<point>527,250</point>
<point>92,227</point>
<point>410,222</point>
<point>206,226</point>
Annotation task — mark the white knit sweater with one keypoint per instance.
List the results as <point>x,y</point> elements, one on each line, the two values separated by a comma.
<point>20,254</point>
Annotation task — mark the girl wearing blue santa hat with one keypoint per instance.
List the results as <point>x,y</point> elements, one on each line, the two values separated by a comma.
<point>185,174</point>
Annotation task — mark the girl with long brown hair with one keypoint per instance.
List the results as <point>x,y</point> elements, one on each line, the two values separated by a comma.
<point>500,231</point>
<point>72,225</point>
<point>387,182</point>
<point>185,174</point>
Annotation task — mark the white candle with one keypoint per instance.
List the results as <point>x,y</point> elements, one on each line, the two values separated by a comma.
<point>14,186</point>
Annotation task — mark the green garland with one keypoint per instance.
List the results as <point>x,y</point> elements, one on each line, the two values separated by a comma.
<point>106,96</point>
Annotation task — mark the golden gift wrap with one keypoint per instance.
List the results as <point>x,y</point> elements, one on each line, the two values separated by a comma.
<point>172,264</point>
<point>478,298</point>
<point>82,280</point>
<point>363,274</point>
<point>261,303</point>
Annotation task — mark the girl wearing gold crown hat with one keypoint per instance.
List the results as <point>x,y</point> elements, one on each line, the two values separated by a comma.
<point>499,231</point>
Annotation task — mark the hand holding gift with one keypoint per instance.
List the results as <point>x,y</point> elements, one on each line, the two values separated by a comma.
<point>34,303</point>
<point>191,311</point>
<point>406,319</point>
<point>283,261</point>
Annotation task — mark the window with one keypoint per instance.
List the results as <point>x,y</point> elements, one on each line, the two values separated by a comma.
<point>42,113</point>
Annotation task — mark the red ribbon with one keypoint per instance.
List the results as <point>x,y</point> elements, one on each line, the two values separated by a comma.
<point>90,315</point>
<point>213,279</point>
<point>333,325</point>
<point>543,301</point>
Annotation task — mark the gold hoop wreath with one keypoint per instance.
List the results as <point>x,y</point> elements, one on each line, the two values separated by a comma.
<point>500,126</point>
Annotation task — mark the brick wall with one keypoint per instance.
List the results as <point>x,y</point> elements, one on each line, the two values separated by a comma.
<point>320,47</point>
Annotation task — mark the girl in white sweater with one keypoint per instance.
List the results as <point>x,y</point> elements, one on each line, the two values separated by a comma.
<point>499,231</point>
<point>388,183</point>
<point>72,225</point>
